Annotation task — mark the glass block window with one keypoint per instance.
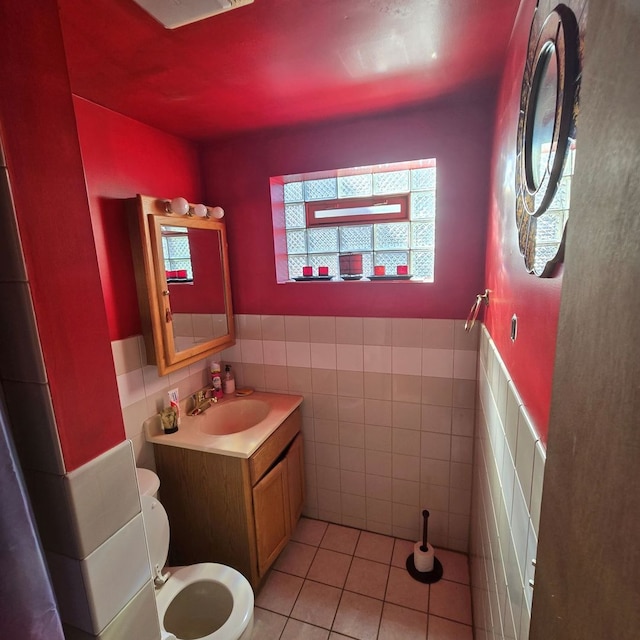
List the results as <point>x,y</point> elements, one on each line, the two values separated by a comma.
<point>177,253</point>
<point>408,240</point>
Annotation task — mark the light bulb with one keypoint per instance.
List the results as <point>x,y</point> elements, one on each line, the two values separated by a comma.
<point>200,210</point>
<point>217,213</point>
<point>179,206</point>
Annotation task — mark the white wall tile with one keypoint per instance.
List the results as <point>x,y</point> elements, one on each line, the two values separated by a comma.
<point>464,364</point>
<point>351,409</point>
<point>405,441</point>
<point>435,471</point>
<point>298,354</point>
<point>91,592</point>
<point>378,463</point>
<point>377,359</point>
<point>350,357</point>
<point>406,360</point>
<point>351,434</point>
<point>436,419</point>
<point>378,412</point>
<point>379,511</point>
<point>437,363</point>
<point>92,489</point>
<point>323,356</point>
<point>130,387</point>
<point>406,467</point>
<point>503,528</point>
<point>435,445</point>
<point>251,351</point>
<point>379,487</point>
<point>274,352</point>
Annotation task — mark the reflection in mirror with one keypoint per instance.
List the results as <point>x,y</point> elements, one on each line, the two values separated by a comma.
<point>193,268</point>
<point>538,157</point>
<point>184,292</point>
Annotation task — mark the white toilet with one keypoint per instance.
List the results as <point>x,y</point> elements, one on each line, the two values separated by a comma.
<point>204,601</point>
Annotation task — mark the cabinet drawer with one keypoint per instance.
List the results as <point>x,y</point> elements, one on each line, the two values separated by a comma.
<point>268,453</point>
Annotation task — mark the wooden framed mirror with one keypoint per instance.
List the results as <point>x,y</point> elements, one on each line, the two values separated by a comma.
<point>182,277</point>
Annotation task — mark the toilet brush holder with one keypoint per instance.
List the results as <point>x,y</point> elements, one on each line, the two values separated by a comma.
<point>422,564</point>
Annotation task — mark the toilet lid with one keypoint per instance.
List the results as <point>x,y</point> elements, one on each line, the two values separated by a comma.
<point>156,525</point>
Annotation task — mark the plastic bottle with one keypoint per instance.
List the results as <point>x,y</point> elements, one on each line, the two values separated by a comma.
<point>216,380</point>
<point>228,382</point>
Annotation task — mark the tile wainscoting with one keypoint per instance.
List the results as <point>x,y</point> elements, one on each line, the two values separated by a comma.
<point>509,464</point>
<point>389,409</point>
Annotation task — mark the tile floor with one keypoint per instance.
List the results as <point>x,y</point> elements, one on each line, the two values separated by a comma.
<point>333,582</point>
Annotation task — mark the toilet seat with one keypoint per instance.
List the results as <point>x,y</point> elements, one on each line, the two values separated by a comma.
<point>243,600</point>
<point>215,584</point>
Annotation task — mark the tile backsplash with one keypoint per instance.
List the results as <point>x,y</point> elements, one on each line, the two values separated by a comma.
<point>389,407</point>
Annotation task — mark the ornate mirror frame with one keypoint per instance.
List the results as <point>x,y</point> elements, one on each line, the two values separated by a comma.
<point>545,148</point>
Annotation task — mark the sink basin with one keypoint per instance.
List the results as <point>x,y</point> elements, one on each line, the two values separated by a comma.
<point>233,416</point>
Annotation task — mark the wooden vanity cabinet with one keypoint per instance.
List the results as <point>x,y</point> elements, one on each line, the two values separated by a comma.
<point>236,511</point>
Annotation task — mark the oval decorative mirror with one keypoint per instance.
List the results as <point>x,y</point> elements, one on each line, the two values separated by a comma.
<point>545,153</point>
<point>184,291</point>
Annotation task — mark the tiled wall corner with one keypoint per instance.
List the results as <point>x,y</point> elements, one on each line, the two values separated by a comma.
<point>388,415</point>
<point>507,491</point>
<point>143,392</point>
<point>92,532</point>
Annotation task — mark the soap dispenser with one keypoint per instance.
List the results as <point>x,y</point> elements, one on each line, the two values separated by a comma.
<point>228,382</point>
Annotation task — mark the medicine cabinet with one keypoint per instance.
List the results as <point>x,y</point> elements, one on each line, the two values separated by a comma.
<point>186,311</point>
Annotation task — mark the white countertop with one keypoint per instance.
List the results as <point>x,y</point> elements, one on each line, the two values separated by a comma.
<point>240,445</point>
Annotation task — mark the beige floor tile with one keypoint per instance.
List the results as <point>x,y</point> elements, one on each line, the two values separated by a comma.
<point>267,625</point>
<point>373,546</point>
<point>309,531</point>
<point>296,630</point>
<point>296,558</point>
<point>403,590</point>
<point>339,538</point>
<point>316,604</point>
<point>451,600</point>
<point>330,567</point>
<point>401,551</point>
<point>455,565</point>
<point>338,636</point>
<point>367,578</point>
<point>441,629</point>
<point>358,616</point>
<point>400,623</point>
<point>279,592</point>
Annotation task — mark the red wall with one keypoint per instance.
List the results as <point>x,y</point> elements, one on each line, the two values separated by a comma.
<point>45,170</point>
<point>121,158</point>
<point>457,133</point>
<point>535,301</point>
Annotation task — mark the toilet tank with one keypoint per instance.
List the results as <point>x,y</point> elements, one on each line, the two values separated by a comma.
<point>148,482</point>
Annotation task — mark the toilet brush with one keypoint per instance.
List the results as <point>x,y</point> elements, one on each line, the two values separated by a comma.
<point>422,564</point>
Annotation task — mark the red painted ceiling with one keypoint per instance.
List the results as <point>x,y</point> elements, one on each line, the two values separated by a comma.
<point>281,62</point>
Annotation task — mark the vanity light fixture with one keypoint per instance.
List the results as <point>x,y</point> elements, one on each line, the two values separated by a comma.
<point>217,213</point>
<point>177,205</point>
<point>201,211</point>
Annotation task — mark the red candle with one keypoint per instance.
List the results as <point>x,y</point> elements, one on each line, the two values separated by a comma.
<point>402,270</point>
<point>350,264</point>
<point>307,271</point>
<point>379,270</point>
<point>323,271</point>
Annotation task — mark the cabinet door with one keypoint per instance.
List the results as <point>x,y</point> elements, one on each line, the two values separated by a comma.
<point>271,513</point>
<point>295,476</point>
